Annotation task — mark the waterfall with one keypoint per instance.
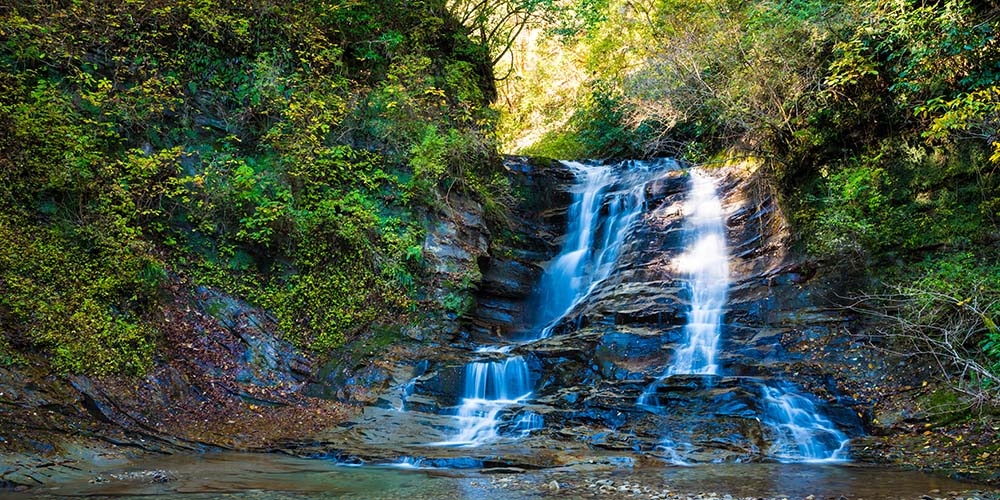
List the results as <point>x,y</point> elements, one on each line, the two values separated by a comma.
<point>706,264</point>
<point>607,200</point>
<point>803,434</point>
<point>489,387</point>
<point>605,206</point>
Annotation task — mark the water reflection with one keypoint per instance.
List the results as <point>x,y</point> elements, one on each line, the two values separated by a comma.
<point>232,475</point>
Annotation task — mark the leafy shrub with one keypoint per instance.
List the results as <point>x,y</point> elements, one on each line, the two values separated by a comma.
<point>948,310</point>
<point>286,153</point>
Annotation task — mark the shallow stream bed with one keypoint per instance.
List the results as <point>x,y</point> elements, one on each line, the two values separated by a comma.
<point>269,476</point>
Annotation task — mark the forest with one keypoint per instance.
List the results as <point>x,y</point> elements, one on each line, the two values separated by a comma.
<point>300,158</point>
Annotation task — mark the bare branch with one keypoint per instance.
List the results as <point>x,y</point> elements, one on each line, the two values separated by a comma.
<point>944,329</point>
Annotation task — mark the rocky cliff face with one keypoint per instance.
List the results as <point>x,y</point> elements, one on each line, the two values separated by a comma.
<point>781,324</point>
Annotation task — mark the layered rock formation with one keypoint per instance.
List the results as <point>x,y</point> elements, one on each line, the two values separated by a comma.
<point>616,342</point>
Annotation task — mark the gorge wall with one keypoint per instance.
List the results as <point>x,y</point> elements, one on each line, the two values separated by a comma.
<point>390,399</point>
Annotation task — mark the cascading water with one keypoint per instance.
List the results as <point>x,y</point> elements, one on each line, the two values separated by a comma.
<point>706,263</point>
<point>489,387</point>
<point>606,203</point>
<point>803,434</point>
<point>407,389</point>
<point>593,240</point>
<point>528,421</point>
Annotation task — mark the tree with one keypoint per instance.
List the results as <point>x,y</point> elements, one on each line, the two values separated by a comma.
<point>496,24</point>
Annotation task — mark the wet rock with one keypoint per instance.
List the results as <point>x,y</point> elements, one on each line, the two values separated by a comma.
<point>459,237</point>
<point>145,476</point>
<point>616,343</point>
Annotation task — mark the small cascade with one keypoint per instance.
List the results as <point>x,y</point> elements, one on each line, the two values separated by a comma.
<point>528,421</point>
<point>405,392</point>
<point>489,387</point>
<point>670,451</point>
<point>407,463</point>
<point>407,389</point>
<point>802,433</point>
<point>604,208</point>
<point>705,262</point>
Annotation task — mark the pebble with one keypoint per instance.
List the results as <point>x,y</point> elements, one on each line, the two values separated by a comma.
<point>625,489</point>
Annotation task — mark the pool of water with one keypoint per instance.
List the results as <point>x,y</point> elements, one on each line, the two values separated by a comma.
<point>260,476</point>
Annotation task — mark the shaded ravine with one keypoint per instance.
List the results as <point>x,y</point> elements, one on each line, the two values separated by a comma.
<point>562,383</point>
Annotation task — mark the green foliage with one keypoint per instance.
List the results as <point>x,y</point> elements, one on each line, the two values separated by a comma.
<point>283,152</point>
<point>877,121</point>
<point>957,296</point>
<point>459,303</point>
<point>594,129</point>
<point>973,115</point>
<point>428,159</point>
<point>900,200</point>
<point>82,307</point>
<point>962,275</point>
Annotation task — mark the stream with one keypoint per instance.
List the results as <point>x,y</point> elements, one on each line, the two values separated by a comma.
<point>258,476</point>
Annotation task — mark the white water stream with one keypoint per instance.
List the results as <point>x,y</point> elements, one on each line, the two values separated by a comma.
<point>489,387</point>
<point>607,200</point>
<point>802,433</point>
<point>706,264</point>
